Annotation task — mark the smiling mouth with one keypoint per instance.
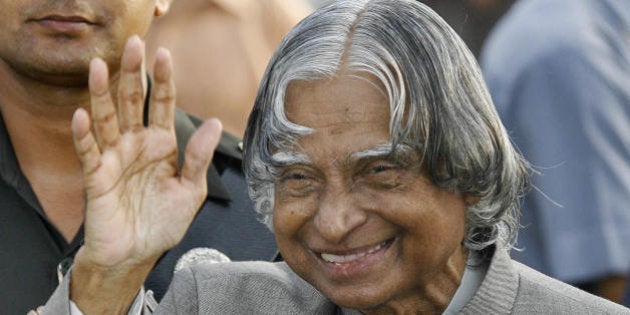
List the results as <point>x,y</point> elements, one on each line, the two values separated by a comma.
<point>349,258</point>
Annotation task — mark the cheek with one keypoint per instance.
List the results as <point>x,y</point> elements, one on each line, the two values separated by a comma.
<point>442,232</point>
<point>434,222</point>
<point>290,212</point>
<point>138,25</point>
<point>289,219</point>
<point>289,230</point>
<point>136,19</point>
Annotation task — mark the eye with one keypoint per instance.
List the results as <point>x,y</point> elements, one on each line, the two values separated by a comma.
<point>381,174</point>
<point>293,176</point>
<point>295,182</point>
<point>380,165</point>
<point>379,168</point>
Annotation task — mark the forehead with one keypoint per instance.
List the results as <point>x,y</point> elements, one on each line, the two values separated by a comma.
<point>343,99</point>
<point>348,114</point>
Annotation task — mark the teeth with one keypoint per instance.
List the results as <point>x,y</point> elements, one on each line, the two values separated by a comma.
<point>338,259</point>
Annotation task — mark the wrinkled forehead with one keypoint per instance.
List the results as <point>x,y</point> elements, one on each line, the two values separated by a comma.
<point>346,98</point>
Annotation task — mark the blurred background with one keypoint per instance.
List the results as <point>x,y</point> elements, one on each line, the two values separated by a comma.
<point>220,50</point>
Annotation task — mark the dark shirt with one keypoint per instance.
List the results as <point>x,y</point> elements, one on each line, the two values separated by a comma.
<point>31,249</point>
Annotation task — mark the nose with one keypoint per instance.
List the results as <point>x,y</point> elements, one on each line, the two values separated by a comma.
<point>337,215</point>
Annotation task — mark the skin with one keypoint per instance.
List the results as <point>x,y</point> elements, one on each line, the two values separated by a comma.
<point>339,204</point>
<point>219,77</point>
<point>45,50</point>
<point>36,43</point>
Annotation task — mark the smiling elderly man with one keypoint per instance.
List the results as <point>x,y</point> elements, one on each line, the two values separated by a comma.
<point>376,155</point>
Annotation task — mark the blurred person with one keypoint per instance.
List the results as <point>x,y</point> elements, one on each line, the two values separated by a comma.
<point>376,156</point>
<point>559,74</point>
<point>45,50</point>
<point>219,77</point>
<point>471,19</point>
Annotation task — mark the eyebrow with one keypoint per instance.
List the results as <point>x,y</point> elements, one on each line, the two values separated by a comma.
<point>382,150</point>
<point>285,158</point>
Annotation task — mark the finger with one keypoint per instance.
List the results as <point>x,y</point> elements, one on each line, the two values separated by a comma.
<point>131,92</point>
<point>199,152</point>
<point>102,106</point>
<point>162,110</point>
<point>84,143</point>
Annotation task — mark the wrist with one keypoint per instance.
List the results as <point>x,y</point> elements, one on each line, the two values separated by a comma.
<point>98,289</point>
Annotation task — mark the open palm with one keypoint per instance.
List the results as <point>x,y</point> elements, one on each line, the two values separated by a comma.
<point>138,204</point>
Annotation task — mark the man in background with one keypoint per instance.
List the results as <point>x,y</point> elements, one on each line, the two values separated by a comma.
<point>45,50</point>
<point>558,72</point>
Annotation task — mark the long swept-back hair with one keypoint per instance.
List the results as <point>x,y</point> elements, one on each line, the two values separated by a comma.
<point>439,105</point>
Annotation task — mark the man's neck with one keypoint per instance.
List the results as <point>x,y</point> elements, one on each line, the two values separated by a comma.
<point>37,118</point>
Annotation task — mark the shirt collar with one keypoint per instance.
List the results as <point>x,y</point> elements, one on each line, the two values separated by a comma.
<point>474,273</point>
<point>11,173</point>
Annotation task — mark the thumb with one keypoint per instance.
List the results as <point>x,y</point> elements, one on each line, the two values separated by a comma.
<point>200,150</point>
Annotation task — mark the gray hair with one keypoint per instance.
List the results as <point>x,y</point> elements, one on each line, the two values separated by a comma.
<point>439,105</point>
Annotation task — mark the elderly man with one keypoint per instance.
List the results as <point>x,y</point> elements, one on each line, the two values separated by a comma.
<point>378,159</point>
<point>45,50</point>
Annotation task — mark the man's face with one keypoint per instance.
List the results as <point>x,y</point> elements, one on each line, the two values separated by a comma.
<point>366,228</point>
<point>57,38</point>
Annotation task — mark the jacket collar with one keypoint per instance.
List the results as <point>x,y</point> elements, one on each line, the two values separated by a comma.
<point>498,289</point>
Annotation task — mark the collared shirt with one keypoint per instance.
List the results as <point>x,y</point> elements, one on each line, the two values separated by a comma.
<point>31,248</point>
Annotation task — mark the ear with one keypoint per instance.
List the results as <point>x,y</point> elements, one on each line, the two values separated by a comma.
<point>162,6</point>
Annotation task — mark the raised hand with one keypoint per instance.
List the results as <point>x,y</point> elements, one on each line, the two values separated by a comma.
<point>138,204</point>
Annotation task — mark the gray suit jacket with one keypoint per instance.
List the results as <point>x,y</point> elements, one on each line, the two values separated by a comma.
<point>272,288</point>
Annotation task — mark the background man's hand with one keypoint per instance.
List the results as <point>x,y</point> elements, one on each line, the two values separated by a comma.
<point>138,204</point>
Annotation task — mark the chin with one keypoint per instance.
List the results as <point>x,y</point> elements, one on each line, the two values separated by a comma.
<point>362,299</point>
<point>66,78</point>
<point>53,70</point>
